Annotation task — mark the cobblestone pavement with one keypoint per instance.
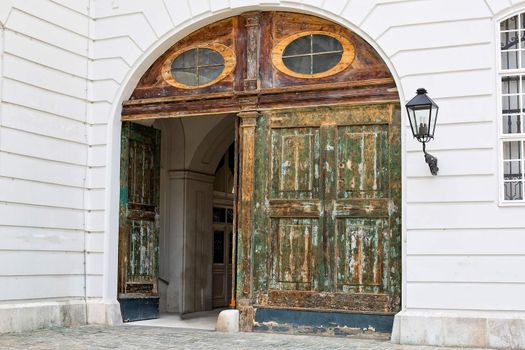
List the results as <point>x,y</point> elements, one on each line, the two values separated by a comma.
<point>146,338</point>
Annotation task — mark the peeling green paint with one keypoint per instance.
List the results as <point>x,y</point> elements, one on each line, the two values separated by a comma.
<point>139,210</point>
<point>326,199</point>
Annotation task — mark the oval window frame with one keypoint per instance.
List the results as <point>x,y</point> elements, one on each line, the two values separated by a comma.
<point>347,57</point>
<point>229,65</point>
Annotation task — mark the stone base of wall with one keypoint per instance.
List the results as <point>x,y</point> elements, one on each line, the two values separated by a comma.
<point>27,316</point>
<point>466,329</point>
<point>100,312</point>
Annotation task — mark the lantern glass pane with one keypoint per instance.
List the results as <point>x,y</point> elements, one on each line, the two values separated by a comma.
<point>422,117</point>
<point>412,121</point>
<point>433,120</point>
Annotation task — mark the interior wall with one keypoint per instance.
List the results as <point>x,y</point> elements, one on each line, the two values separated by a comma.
<point>190,151</point>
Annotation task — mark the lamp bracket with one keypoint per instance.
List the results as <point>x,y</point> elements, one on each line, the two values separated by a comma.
<point>431,161</point>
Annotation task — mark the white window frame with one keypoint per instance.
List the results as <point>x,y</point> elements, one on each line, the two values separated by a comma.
<point>501,136</point>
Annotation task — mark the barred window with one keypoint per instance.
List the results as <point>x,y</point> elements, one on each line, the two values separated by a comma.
<point>512,92</point>
<point>313,54</point>
<point>197,67</point>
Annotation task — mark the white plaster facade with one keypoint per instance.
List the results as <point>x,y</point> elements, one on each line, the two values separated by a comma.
<point>67,65</point>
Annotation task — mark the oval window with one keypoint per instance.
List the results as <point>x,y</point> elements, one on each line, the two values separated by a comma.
<point>313,55</point>
<point>199,66</point>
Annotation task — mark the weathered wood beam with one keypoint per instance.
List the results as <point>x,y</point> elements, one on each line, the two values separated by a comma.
<point>268,91</point>
<point>371,91</point>
<point>245,225</point>
<point>365,302</point>
<point>177,98</point>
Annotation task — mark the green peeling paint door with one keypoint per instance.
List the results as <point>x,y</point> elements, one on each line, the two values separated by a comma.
<point>139,222</point>
<point>327,209</point>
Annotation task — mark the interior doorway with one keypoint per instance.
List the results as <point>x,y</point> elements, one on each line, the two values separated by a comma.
<point>223,220</point>
<point>178,189</point>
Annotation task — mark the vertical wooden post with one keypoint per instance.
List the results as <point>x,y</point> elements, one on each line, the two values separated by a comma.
<point>251,81</point>
<point>248,120</point>
<point>245,221</point>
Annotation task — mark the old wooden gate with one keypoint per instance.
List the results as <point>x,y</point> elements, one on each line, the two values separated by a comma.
<point>318,211</point>
<point>326,224</point>
<point>139,222</point>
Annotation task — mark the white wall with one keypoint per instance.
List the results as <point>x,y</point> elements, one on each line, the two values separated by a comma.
<point>65,75</point>
<point>52,160</point>
<point>49,197</point>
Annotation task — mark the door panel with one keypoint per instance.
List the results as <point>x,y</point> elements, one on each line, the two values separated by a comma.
<point>362,161</point>
<point>141,257</point>
<point>359,255</point>
<point>327,210</point>
<point>139,222</point>
<point>293,265</point>
<point>295,165</point>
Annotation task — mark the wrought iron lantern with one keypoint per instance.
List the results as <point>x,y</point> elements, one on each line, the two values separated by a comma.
<point>422,114</point>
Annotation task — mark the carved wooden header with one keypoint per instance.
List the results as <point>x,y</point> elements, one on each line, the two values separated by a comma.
<point>254,73</point>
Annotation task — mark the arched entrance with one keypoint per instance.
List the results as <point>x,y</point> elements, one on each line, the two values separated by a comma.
<point>317,208</point>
